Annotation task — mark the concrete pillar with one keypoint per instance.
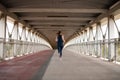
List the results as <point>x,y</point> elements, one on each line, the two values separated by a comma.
<point>28,38</point>
<point>91,34</point>
<point>15,37</point>
<point>36,38</point>
<point>30,41</point>
<point>36,41</point>
<point>23,36</point>
<point>82,43</point>
<point>15,31</point>
<point>79,44</point>
<point>85,42</point>
<point>91,43</point>
<point>98,37</point>
<point>2,35</point>
<point>29,35</point>
<point>85,36</point>
<point>111,46</point>
<point>33,40</point>
<point>81,37</point>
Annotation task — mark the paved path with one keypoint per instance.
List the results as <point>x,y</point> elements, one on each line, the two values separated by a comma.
<point>40,66</point>
<point>25,67</point>
<point>80,67</point>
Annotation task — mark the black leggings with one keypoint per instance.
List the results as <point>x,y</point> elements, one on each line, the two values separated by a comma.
<point>60,50</point>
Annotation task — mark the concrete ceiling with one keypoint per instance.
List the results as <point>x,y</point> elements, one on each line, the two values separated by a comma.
<point>49,16</point>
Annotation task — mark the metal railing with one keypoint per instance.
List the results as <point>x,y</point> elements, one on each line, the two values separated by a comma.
<point>102,48</point>
<point>13,48</point>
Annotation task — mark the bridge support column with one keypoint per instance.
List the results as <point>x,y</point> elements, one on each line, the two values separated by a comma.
<point>2,34</point>
<point>15,36</point>
<point>98,37</point>
<point>111,45</point>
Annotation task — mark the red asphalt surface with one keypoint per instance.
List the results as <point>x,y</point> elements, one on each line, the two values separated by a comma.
<point>25,67</point>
